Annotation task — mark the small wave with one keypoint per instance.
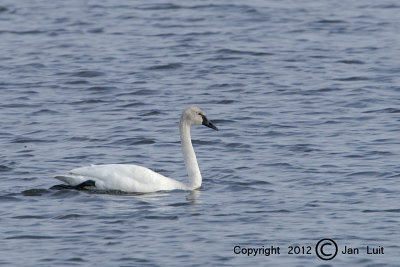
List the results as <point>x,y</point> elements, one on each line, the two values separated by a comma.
<point>22,105</point>
<point>77,82</point>
<point>280,211</point>
<point>225,7</point>
<point>133,104</point>
<point>306,148</point>
<point>30,237</point>
<point>380,153</point>
<point>134,141</point>
<point>320,90</point>
<point>202,142</point>
<point>76,259</point>
<point>358,62</point>
<point>279,164</point>
<point>388,6</point>
<point>180,204</point>
<point>23,140</point>
<point>161,6</point>
<point>3,9</point>
<point>69,216</point>
<point>4,168</point>
<point>365,173</point>
<point>218,121</point>
<point>201,33</point>
<point>96,30</point>
<point>151,113</point>
<point>225,102</point>
<point>84,138</point>
<point>88,74</point>
<point>352,79</point>
<point>381,190</point>
<point>34,65</point>
<point>168,217</point>
<point>45,111</point>
<point>253,183</point>
<point>225,85</point>
<point>89,101</point>
<point>30,217</point>
<point>330,21</point>
<point>385,110</point>
<point>170,66</point>
<point>346,194</point>
<point>24,32</point>
<point>9,198</point>
<point>386,210</point>
<point>242,52</point>
<point>34,192</point>
<point>238,145</point>
<point>101,88</point>
<point>80,157</point>
<point>139,92</point>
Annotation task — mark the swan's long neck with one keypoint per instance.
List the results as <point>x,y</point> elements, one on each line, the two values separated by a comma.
<point>189,156</point>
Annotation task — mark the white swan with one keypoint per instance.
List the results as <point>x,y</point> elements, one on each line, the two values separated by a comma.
<point>134,178</point>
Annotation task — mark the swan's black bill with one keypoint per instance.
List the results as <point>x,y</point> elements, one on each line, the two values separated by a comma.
<point>208,123</point>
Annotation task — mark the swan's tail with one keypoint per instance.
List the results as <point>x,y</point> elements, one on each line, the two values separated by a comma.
<point>72,179</point>
<point>82,186</point>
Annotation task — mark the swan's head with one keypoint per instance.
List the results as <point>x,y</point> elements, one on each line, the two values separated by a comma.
<point>195,116</point>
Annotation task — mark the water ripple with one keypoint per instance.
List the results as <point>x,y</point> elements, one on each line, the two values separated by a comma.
<point>170,66</point>
<point>28,237</point>
<point>305,96</point>
<point>87,74</point>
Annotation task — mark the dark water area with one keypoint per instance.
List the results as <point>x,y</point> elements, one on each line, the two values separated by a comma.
<point>306,96</point>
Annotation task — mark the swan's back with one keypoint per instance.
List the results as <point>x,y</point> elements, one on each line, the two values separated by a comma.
<point>123,177</point>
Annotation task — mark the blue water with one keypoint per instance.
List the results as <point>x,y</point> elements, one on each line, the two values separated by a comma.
<point>306,96</point>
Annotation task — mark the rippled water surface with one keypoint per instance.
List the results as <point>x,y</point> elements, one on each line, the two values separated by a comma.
<point>306,96</point>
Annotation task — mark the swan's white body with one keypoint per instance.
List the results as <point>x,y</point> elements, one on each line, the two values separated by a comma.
<point>134,178</point>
